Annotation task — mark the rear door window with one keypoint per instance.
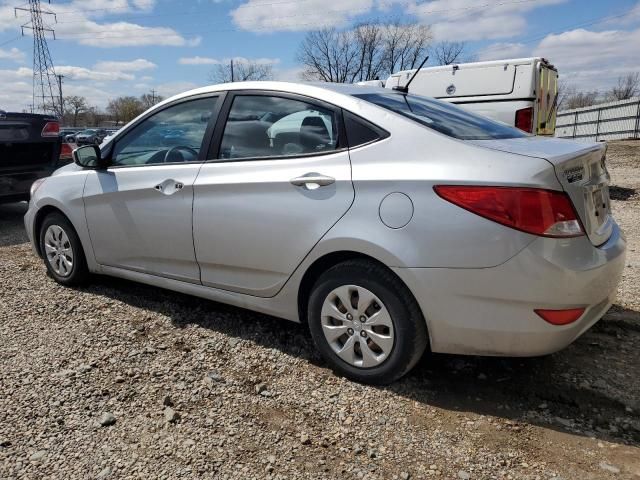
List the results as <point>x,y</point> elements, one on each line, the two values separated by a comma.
<point>361,132</point>
<point>442,117</point>
<point>260,126</point>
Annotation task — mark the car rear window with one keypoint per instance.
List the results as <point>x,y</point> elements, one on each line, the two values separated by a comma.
<point>443,117</point>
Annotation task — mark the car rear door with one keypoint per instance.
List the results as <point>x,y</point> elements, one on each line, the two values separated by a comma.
<point>139,209</point>
<point>280,178</point>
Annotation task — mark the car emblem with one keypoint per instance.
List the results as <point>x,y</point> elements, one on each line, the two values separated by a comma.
<point>574,174</point>
<point>451,89</point>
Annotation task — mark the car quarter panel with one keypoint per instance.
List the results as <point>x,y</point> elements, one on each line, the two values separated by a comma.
<point>439,234</point>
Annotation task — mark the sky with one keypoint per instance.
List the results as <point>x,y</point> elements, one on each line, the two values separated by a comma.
<point>109,48</point>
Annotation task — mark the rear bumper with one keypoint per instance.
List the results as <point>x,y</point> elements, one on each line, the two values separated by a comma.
<point>15,186</point>
<point>490,311</point>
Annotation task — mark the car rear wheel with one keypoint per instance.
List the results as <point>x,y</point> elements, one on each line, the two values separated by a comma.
<point>62,251</point>
<point>365,322</point>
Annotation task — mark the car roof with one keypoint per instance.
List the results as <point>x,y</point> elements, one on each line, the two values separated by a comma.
<point>321,90</point>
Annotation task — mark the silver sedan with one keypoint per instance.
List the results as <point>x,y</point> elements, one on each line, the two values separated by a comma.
<point>388,222</point>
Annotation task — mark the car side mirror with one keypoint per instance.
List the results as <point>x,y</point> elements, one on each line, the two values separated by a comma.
<point>88,156</point>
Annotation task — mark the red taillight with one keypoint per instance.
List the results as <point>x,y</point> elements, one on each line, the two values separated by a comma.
<point>524,119</point>
<point>51,129</point>
<point>560,317</point>
<point>533,210</point>
<point>65,150</point>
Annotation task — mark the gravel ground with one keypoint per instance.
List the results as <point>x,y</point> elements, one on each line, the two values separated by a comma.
<point>119,380</point>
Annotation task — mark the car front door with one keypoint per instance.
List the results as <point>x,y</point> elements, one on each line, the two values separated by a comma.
<point>280,180</point>
<point>139,209</point>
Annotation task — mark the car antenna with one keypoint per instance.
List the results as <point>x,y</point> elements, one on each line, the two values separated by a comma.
<point>405,88</point>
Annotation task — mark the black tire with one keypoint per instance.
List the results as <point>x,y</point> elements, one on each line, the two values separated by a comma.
<point>410,330</point>
<point>79,273</point>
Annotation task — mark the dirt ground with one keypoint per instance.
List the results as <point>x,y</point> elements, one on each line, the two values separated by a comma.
<point>119,380</point>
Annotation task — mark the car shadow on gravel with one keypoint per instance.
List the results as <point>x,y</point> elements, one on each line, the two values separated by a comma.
<point>11,224</point>
<point>588,389</point>
<point>622,193</point>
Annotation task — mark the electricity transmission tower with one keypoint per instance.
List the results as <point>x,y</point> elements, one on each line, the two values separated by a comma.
<point>46,89</point>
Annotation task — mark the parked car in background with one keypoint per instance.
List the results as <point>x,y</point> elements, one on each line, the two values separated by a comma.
<point>520,92</point>
<point>93,136</point>
<point>67,133</point>
<point>110,133</point>
<point>29,150</point>
<point>388,222</point>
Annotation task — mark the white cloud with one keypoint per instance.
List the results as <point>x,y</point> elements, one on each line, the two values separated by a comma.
<point>76,22</point>
<point>130,66</point>
<point>198,61</point>
<point>214,61</point>
<point>82,73</point>
<point>504,50</point>
<point>467,20</point>
<point>586,59</point>
<point>16,91</point>
<point>288,74</point>
<point>268,16</point>
<point>13,54</point>
<point>121,34</point>
<point>173,88</point>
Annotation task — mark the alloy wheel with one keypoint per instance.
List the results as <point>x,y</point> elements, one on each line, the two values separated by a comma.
<point>58,250</point>
<point>357,326</point>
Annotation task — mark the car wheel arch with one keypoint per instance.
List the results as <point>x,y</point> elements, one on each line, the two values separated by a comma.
<point>43,213</point>
<point>328,260</point>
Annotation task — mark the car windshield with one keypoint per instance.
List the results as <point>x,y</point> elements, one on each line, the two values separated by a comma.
<point>88,132</point>
<point>442,117</point>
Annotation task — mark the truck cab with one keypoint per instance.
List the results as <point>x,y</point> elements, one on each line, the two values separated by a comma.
<point>519,92</point>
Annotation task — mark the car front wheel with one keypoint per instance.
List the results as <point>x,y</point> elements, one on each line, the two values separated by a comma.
<point>62,251</point>
<point>365,322</point>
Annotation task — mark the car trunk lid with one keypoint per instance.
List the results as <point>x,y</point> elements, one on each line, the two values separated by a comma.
<point>580,169</point>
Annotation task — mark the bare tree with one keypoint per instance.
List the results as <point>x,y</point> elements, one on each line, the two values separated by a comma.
<point>241,71</point>
<point>367,52</point>
<point>330,55</point>
<point>74,107</point>
<point>565,90</point>
<point>447,53</point>
<point>628,87</point>
<point>581,99</point>
<point>370,43</point>
<point>148,100</point>
<point>406,45</point>
<point>124,109</point>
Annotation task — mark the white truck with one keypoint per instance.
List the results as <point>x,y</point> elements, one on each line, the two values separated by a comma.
<point>521,92</point>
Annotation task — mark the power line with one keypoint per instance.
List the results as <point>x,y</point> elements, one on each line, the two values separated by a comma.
<point>9,41</point>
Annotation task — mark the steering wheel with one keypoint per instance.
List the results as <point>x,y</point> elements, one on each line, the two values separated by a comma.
<point>177,149</point>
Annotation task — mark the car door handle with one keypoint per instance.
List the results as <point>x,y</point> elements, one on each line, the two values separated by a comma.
<point>169,187</point>
<point>312,181</point>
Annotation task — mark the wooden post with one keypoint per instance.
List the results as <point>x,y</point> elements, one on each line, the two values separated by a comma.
<point>598,124</point>
<point>575,124</point>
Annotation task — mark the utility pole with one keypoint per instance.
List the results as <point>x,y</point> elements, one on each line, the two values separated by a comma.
<point>60,77</point>
<point>232,79</point>
<point>44,75</point>
<point>153,96</point>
